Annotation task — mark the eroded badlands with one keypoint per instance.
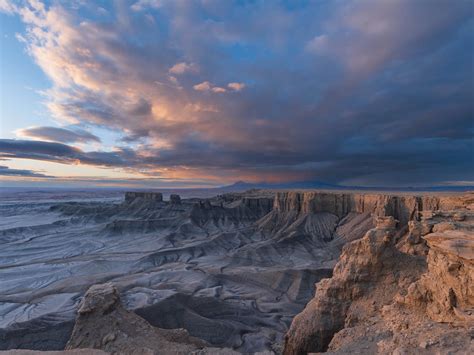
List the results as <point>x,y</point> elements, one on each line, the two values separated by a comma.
<point>234,271</point>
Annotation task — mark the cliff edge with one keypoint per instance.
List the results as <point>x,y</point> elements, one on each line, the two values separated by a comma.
<point>387,297</point>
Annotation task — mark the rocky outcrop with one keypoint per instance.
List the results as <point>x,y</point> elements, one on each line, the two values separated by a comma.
<point>446,290</point>
<point>102,323</point>
<point>238,213</point>
<point>402,208</point>
<point>386,297</point>
<point>361,265</point>
<point>144,196</point>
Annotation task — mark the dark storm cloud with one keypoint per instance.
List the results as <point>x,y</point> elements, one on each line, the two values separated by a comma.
<point>62,153</point>
<point>59,134</point>
<point>365,91</point>
<point>6,171</point>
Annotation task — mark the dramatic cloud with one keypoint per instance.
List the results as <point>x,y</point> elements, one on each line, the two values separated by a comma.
<point>56,134</point>
<point>370,92</point>
<point>62,153</point>
<point>6,171</point>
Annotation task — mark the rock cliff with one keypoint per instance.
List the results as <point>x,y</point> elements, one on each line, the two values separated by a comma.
<point>386,297</point>
<point>363,264</point>
<point>446,290</point>
<point>402,207</point>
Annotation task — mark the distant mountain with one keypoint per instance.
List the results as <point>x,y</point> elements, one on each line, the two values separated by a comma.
<point>243,185</point>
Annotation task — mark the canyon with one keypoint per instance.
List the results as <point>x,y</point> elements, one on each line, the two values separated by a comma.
<point>236,273</point>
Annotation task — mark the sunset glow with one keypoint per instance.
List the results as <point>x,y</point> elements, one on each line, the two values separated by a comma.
<point>205,93</point>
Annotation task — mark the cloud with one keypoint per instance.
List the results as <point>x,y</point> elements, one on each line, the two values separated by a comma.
<point>62,153</point>
<point>368,34</point>
<point>204,86</point>
<point>207,86</point>
<point>318,44</point>
<point>6,171</point>
<point>8,7</point>
<point>337,91</point>
<point>182,68</point>
<point>218,89</point>
<point>56,134</point>
<point>141,5</point>
<point>236,86</point>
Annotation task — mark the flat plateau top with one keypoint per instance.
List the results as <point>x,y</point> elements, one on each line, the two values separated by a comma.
<point>379,192</point>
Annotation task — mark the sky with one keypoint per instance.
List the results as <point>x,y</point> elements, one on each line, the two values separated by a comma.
<point>181,93</point>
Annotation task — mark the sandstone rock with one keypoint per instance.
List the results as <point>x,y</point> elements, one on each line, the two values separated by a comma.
<point>459,217</point>
<point>446,290</point>
<point>376,289</point>
<point>443,226</point>
<point>361,264</point>
<point>102,323</point>
<point>401,207</point>
<point>418,229</point>
<point>387,222</point>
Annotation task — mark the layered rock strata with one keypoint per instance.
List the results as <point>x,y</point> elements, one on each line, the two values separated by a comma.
<point>385,297</point>
<point>362,265</point>
<point>402,207</point>
<point>446,290</point>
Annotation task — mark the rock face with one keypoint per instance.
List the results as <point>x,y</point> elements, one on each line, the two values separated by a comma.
<point>362,264</point>
<point>102,323</point>
<point>386,297</point>
<point>446,290</point>
<point>402,208</point>
<point>145,196</point>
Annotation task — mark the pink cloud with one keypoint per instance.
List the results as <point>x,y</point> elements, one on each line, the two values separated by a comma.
<point>236,86</point>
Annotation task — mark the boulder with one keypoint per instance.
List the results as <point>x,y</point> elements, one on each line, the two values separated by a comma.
<point>103,323</point>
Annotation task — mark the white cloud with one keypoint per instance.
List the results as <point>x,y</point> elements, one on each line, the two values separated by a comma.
<point>7,7</point>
